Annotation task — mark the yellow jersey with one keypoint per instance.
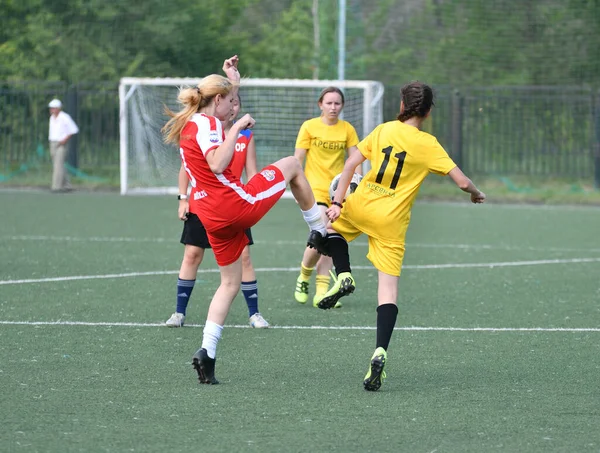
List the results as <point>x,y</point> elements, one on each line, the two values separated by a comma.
<point>401,157</point>
<point>326,150</point>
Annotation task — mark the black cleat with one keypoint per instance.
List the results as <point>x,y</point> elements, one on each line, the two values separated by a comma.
<point>319,242</point>
<point>342,286</point>
<point>205,367</point>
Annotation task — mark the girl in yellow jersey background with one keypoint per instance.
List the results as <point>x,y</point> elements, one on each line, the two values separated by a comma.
<point>322,145</point>
<point>401,157</point>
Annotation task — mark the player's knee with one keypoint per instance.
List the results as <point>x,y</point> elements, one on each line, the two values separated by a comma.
<point>297,165</point>
<point>231,286</point>
<point>293,165</point>
<point>193,256</point>
<point>246,260</point>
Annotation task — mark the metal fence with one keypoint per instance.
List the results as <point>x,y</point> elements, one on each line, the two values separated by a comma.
<point>24,119</point>
<point>505,131</point>
<point>517,131</point>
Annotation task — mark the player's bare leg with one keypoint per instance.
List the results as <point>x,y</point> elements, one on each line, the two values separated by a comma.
<point>231,278</point>
<point>192,258</point>
<point>294,176</point>
<point>204,359</point>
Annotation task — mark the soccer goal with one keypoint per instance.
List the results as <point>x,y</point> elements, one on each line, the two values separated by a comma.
<point>279,106</point>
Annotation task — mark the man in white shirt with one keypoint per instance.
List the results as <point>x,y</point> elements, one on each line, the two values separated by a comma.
<point>62,127</point>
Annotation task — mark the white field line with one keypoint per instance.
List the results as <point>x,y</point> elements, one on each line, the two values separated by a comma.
<point>244,326</point>
<point>458,204</point>
<point>159,240</point>
<point>98,277</point>
<point>295,269</point>
<point>84,239</point>
<point>519,206</point>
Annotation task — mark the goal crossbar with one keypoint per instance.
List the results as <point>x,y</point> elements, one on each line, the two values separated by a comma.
<point>258,82</point>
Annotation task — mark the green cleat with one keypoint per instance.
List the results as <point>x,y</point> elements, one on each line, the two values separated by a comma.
<point>342,286</point>
<point>376,374</point>
<point>301,293</point>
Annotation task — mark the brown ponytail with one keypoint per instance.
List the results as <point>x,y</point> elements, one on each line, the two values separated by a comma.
<point>418,100</point>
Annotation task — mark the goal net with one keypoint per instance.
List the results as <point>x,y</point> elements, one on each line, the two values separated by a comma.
<point>279,106</point>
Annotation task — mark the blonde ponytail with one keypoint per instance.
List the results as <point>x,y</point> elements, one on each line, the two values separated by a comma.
<point>192,100</point>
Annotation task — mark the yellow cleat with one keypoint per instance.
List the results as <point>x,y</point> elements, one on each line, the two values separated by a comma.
<point>376,375</point>
<point>301,293</point>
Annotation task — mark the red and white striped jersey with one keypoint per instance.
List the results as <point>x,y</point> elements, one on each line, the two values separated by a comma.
<point>216,198</point>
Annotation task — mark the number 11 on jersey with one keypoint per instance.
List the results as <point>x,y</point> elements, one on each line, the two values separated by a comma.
<point>400,163</point>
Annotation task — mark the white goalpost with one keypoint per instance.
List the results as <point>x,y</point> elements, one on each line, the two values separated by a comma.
<point>279,106</point>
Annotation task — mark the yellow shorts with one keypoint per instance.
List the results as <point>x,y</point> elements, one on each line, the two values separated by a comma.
<point>322,197</point>
<point>386,256</point>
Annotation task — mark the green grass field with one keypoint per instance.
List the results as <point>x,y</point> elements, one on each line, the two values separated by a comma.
<point>496,346</point>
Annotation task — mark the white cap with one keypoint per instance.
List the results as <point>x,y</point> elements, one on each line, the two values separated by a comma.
<point>55,104</point>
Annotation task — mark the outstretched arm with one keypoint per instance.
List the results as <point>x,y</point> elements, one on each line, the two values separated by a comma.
<point>351,151</point>
<point>466,185</point>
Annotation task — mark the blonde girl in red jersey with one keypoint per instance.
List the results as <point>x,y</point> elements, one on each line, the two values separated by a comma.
<point>225,205</point>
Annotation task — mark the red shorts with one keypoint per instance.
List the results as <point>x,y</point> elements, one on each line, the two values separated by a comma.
<point>263,191</point>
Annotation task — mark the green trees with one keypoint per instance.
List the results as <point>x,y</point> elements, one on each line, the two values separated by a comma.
<point>468,42</point>
<point>462,43</point>
<point>91,40</point>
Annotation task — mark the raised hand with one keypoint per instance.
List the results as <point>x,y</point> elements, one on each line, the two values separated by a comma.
<point>230,68</point>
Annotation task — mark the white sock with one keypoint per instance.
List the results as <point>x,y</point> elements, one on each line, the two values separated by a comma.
<point>210,338</point>
<point>314,220</point>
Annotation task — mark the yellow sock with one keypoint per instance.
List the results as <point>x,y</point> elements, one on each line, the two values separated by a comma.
<point>322,284</point>
<point>305,272</point>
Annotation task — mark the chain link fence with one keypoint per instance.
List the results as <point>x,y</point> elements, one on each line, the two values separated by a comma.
<point>500,131</point>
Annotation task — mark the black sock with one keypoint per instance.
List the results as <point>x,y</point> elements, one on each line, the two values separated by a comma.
<point>338,247</point>
<point>386,320</point>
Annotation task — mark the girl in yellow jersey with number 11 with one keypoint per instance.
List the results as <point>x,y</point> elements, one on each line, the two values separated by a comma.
<point>401,156</point>
<point>323,142</point>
